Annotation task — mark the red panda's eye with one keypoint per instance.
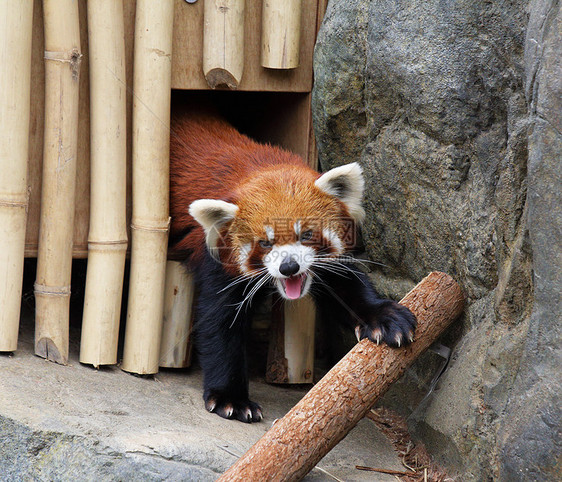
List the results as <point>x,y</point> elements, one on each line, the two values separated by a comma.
<point>264,243</point>
<point>307,235</point>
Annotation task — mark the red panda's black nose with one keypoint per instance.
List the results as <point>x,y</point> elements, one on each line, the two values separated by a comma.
<point>289,267</point>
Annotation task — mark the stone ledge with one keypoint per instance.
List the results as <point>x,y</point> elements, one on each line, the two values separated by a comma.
<point>77,423</point>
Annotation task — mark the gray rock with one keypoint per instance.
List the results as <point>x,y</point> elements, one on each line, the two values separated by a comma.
<point>454,111</point>
<point>532,428</point>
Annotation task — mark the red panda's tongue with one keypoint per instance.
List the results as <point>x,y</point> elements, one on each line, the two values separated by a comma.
<point>293,287</point>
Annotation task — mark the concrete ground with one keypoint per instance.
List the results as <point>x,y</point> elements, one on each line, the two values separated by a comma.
<point>76,423</point>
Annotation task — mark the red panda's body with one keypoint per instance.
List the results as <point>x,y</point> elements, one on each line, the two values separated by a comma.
<point>248,218</point>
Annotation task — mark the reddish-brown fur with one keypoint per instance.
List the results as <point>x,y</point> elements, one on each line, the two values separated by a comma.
<point>209,159</point>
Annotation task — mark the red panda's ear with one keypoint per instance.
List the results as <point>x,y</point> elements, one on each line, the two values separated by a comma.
<point>345,183</point>
<point>212,214</point>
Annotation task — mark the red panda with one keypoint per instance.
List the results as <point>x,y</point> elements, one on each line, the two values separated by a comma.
<point>250,218</point>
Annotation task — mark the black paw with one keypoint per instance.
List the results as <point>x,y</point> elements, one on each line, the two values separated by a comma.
<point>231,408</point>
<point>391,323</point>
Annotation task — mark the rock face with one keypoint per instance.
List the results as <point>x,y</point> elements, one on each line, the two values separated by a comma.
<point>454,110</point>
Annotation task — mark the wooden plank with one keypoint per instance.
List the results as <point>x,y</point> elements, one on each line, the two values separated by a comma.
<point>36,124</point>
<point>176,343</point>
<point>291,347</point>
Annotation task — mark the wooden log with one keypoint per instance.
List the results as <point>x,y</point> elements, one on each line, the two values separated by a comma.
<point>291,348</point>
<point>15,77</point>
<point>150,220</point>
<point>297,442</point>
<point>187,62</point>
<point>175,347</point>
<point>223,42</point>
<point>107,237</point>
<point>54,259</point>
<point>281,32</point>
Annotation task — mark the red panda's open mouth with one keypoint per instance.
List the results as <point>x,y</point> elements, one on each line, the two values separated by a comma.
<point>293,286</point>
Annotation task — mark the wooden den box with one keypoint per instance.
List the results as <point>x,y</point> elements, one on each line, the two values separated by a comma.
<point>179,53</point>
<point>276,102</point>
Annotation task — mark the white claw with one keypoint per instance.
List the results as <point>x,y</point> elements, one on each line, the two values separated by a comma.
<point>358,333</point>
<point>229,412</point>
<point>248,414</point>
<point>377,336</point>
<point>211,406</point>
<point>398,339</point>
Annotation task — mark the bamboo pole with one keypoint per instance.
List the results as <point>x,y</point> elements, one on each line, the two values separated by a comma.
<point>291,348</point>
<point>297,442</point>
<point>54,259</point>
<point>281,32</point>
<point>15,77</point>
<point>175,347</point>
<point>223,42</point>
<point>107,237</point>
<point>150,223</point>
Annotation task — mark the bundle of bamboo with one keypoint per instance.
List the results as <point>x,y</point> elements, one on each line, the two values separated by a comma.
<point>281,31</point>
<point>107,238</point>
<point>54,260</point>
<point>223,43</point>
<point>15,74</point>
<point>150,223</point>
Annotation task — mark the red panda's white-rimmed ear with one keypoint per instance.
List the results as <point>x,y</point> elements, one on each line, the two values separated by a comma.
<point>347,184</point>
<point>212,214</point>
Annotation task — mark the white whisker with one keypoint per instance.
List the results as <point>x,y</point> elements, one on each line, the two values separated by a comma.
<point>243,277</point>
<point>350,259</point>
<point>260,281</point>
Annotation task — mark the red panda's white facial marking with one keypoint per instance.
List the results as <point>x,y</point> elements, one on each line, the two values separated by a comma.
<point>270,233</point>
<point>289,265</point>
<point>331,236</point>
<point>243,255</point>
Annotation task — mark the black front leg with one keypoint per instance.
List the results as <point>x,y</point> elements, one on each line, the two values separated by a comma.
<point>348,296</point>
<point>220,340</point>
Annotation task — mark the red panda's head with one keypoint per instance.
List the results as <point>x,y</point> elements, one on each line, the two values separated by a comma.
<point>285,225</point>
